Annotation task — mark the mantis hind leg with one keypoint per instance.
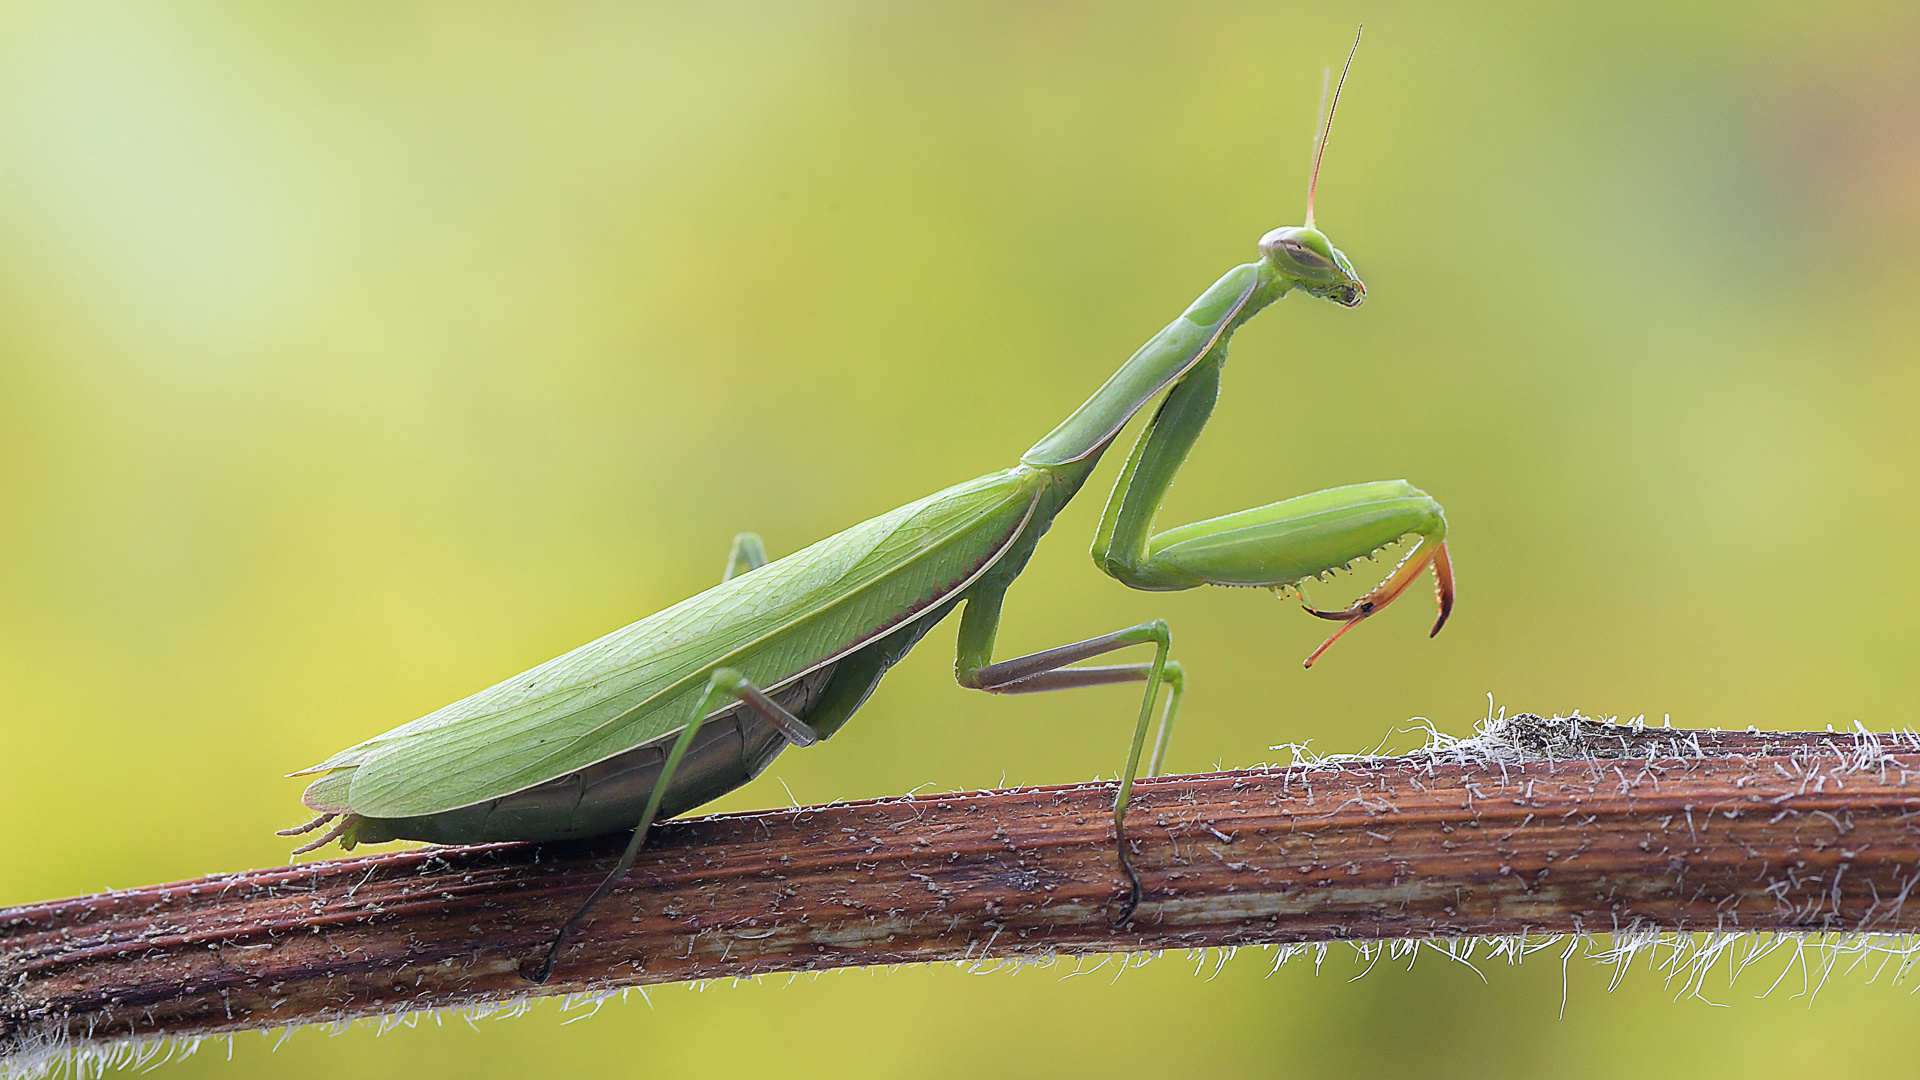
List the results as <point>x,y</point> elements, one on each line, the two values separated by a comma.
<point>1050,669</point>
<point>724,686</point>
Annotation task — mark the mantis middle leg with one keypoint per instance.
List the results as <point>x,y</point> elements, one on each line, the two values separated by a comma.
<point>1050,669</point>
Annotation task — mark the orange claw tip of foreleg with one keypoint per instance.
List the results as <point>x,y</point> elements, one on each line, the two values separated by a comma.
<point>1442,586</point>
<point>1331,638</point>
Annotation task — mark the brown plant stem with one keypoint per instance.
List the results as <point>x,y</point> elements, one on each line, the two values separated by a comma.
<point>1536,827</point>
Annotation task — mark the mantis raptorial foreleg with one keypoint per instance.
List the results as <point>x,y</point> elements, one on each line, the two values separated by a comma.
<point>724,686</point>
<point>1274,546</point>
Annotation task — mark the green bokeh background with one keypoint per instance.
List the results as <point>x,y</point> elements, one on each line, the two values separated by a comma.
<point>354,358</point>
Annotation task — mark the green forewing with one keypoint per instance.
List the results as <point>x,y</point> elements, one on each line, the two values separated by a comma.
<point>641,681</point>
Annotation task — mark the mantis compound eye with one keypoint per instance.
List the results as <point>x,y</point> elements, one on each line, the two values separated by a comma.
<point>1304,255</point>
<point>1292,246</point>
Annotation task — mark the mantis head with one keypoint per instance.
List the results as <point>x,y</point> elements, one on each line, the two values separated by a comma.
<point>1303,255</point>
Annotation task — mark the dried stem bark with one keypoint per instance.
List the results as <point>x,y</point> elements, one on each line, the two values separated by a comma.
<point>1538,826</point>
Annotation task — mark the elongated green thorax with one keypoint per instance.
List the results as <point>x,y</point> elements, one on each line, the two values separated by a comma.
<point>1201,330</point>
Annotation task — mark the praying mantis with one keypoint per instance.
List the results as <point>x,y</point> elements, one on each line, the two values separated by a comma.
<point>689,703</point>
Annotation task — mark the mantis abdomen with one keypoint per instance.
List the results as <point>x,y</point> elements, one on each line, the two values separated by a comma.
<point>729,750</point>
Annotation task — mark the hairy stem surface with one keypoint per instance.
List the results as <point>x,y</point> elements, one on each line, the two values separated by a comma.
<point>1537,826</point>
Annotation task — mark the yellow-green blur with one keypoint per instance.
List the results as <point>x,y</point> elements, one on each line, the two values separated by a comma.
<point>355,356</point>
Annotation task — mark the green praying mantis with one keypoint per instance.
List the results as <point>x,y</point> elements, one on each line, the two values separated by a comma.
<point>690,703</point>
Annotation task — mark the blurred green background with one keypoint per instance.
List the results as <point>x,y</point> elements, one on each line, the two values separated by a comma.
<point>353,358</point>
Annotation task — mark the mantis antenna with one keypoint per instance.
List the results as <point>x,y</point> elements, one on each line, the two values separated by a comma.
<point>1326,126</point>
